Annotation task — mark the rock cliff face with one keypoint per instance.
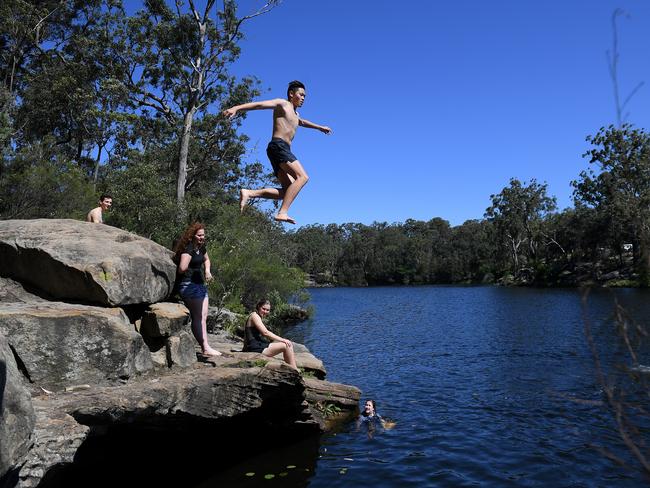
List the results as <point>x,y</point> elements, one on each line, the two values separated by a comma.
<point>62,344</point>
<point>75,368</point>
<point>16,412</point>
<point>83,262</point>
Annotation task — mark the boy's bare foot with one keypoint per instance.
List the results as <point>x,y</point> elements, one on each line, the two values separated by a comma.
<point>243,199</point>
<point>283,217</point>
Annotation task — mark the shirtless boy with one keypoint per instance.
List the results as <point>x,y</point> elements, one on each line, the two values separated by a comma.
<point>286,166</point>
<point>95,215</point>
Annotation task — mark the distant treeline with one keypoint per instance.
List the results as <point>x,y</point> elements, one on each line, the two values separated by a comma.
<point>522,238</point>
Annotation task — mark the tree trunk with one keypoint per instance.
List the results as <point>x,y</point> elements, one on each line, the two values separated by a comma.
<point>97,160</point>
<point>643,262</point>
<point>182,157</point>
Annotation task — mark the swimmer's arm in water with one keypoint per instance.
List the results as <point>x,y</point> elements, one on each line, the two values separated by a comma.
<point>261,105</point>
<point>310,125</point>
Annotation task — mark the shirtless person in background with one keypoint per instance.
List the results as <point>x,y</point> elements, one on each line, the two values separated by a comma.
<point>95,215</point>
<point>286,166</point>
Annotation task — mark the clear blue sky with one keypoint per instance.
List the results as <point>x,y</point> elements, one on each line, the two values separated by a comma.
<point>436,105</point>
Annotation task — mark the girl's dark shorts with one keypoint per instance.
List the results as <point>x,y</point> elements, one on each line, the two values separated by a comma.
<point>279,152</point>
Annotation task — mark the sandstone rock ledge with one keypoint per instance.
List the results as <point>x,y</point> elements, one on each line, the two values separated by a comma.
<point>100,380</point>
<point>219,396</point>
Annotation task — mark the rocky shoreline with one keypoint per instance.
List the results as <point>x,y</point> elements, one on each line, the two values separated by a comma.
<point>92,355</point>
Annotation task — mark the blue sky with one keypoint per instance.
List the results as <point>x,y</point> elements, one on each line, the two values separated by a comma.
<point>436,105</point>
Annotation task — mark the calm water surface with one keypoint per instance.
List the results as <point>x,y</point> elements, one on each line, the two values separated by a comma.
<point>489,387</point>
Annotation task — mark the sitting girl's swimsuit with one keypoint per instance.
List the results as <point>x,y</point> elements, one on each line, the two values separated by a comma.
<point>253,341</point>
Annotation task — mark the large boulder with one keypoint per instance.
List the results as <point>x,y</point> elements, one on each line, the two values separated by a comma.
<point>223,320</point>
<point>11,292</point>
<point>61,344</point>
<point>83,262</point>
<point>16,413</point>
<point>164,319</point>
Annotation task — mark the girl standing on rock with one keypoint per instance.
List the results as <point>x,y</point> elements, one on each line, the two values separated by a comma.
<point>193,273</point>
<point>255,330</point>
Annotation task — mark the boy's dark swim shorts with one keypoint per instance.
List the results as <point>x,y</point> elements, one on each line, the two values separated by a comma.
<point>279,152</point>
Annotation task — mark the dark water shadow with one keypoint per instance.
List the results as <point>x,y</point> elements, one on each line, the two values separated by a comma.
<point>182,454</point>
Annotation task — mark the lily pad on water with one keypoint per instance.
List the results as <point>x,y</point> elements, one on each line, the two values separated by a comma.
<point>250,474</point>
<point>291,466</point>
<point>269,476</point>
<point>343,470</point>
<point>283,474</point>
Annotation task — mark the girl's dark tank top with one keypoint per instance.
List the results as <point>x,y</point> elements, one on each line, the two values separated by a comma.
<point>253,338</point>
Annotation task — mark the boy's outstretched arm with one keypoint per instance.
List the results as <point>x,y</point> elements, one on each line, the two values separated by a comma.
<point>311,125</point>
<point>244,107</point>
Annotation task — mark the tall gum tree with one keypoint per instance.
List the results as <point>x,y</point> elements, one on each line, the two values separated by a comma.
<point>618,189</point>
<point>517,213</point>
<point>177,62</point>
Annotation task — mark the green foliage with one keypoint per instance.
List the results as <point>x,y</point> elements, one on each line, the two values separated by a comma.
<point>517,214</point>
<point>307,373</point>
<point>619,191</point>
<point>283,313</point>
<point>36,183</point>
<point>414,252</point>
<point>246,260</point>
<point>328,409</point>
<point>140,206</point>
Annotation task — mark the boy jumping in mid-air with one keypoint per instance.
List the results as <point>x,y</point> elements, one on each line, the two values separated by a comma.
<point>286,166</point>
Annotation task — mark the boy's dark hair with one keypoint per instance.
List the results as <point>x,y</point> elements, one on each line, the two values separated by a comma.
<point>104,196</point>
<point>294,85</point>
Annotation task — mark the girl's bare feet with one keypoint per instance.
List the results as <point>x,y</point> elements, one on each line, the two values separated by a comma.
<point>283,217</point>
<point>209,352</point>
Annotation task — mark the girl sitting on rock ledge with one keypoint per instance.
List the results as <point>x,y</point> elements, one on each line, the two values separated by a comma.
<point>193,272</point>
<point>255,329</point>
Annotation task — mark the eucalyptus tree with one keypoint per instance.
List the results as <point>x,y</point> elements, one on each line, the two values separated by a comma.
<point>177,61</point>
<point>25,26</point>
<point>472,251</point>
<point>69,93</point>
<point>52,65</point>
<point>517,213</point>
<point>619,188</point>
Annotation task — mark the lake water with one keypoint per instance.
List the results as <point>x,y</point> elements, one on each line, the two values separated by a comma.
<point>489,386</point>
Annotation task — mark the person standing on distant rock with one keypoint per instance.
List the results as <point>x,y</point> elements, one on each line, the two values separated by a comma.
<point>255,333</point>
<point>286,166</point>
<point>193,272</point>
<point>95,215</point>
